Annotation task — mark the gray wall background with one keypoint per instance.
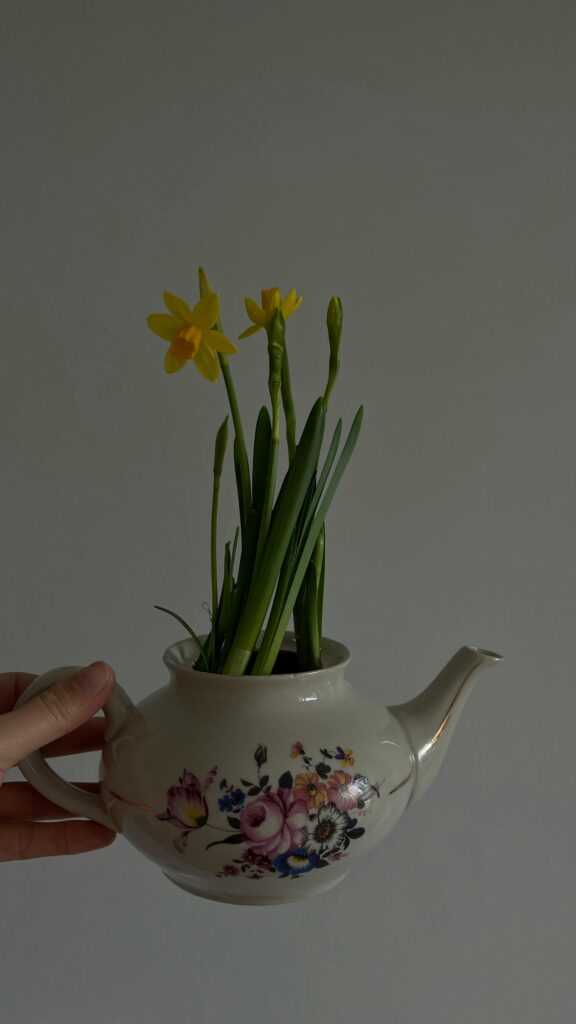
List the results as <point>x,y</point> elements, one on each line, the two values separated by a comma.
<point>418,159</point>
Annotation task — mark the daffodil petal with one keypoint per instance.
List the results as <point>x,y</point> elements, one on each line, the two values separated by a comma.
<point>206,312</point>
<point>255,312</point>
<point>290,303</point>
<point>206,361</point>
<point>178,307</point>
<point>171,363</point>
<point>219,342</point>
<point>270,300</point>
<point>249,331</point>
<point>163,325</point>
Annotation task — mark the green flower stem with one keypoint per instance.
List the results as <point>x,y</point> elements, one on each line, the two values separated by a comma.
<point>288,403</point>
<point>307,612</point>
<point>308,606</point>
<point>245,495</point>
<point>275,354</point>
<point>246,499</point>
<point>219,453</point>
<point>317,601</point>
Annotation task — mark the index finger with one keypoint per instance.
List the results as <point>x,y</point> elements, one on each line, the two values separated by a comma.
<point>12,684</point>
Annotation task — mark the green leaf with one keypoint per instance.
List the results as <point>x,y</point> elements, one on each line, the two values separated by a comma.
<point>286,781</point>
<point>328,463</point>
<point>197,641</point>
<point>260,459</point>
<point>284,517</point>
<point>239,480</point>
<point>234,547</point>
<point>249,542</point>
<point>321,584</point>
<point>306,625</point>
<point>233,822</point>
<point>225,606</point>
<point>273,637</point>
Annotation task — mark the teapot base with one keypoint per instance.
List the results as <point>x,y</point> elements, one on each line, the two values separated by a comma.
<point>249,899</point>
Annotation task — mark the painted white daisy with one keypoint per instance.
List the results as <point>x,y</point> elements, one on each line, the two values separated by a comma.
<point>326,831</point>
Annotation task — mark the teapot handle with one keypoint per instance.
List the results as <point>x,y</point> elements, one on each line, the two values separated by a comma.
<point>43,778</point>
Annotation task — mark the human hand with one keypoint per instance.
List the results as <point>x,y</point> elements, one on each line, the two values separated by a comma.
<point>58,721</point>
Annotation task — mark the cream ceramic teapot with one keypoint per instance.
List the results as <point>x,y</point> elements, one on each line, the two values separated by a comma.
<point>261,789</point>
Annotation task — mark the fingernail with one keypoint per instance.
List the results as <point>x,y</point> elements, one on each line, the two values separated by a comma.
<point>93,679</point>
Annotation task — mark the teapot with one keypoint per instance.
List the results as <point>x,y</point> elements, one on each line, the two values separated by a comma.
<point>258,790</point>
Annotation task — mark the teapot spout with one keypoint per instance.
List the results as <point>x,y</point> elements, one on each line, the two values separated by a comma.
<point>429,719</point>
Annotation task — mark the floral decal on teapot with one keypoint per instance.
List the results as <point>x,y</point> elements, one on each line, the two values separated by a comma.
<point>303,822</point>
<point>186,805</point>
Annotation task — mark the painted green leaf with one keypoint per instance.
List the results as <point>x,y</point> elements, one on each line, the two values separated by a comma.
<point>234,839</point>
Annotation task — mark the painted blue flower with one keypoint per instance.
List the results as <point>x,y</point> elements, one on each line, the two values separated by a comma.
<point>233,801</point>
<point>295,862</point>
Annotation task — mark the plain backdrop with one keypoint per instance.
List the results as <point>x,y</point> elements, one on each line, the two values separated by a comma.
<point>418,159</point>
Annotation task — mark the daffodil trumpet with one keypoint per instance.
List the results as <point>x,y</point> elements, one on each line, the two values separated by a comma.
<point>281,569</point>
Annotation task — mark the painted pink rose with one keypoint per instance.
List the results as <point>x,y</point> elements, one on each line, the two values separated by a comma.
<point>342,790</point>
<point>274,823</point>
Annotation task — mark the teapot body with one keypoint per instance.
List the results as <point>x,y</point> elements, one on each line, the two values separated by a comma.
<point>256,789</point>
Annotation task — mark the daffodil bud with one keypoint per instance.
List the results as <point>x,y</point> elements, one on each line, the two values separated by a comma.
<point>220,448</point>
<point>205,286</point>
<point>334,318</point>
<point>334,324</point>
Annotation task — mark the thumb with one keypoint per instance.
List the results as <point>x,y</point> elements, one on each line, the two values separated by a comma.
<point>54,712</point>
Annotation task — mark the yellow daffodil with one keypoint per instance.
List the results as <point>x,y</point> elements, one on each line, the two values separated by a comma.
<point>271,301</point>
<point>191,334</point>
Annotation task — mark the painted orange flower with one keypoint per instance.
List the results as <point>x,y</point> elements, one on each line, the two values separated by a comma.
<point>341,790</point>
<point>309,786</point>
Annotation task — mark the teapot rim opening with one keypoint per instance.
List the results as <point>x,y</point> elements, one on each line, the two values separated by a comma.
<point>335,655</point>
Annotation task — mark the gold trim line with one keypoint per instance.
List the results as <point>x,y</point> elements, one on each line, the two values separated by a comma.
<point>131,803</point>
